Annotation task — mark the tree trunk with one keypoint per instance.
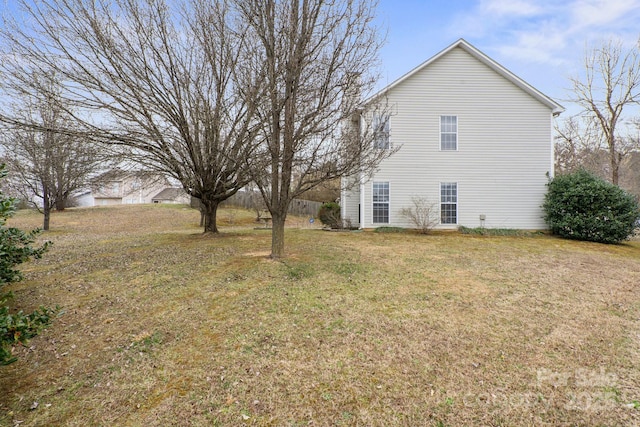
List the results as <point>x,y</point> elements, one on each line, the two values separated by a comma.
<point>209,209</point>
<point>60,204</point>
<point>46,209</point>
<point>277,235</point>
<point>615,165</point>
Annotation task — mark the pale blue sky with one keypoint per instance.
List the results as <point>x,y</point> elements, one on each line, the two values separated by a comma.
<point>541,41</point>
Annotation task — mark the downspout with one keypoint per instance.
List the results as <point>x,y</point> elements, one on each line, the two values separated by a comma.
<point>552,167</point>
<point>362,210</point>
<point>343,198</point>
<point>553,151</point>
<point>361,179</point>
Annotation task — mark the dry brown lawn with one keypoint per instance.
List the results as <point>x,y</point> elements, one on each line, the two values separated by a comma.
<point>164,326</point>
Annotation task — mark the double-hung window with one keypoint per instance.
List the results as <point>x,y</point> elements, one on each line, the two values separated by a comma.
<point>381,202</point>
<point>448,133</point>
<point>448,202</point>
<point>381,132</point>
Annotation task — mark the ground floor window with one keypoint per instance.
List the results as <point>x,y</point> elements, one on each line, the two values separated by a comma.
<point>448,202</point>
<point>381,202</point>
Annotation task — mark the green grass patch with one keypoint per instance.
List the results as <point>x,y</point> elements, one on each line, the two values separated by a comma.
<point>481,231</point>
<point>386,229</point>
<point>298,270</point>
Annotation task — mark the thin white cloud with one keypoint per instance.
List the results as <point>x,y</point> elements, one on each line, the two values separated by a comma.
<point>597,13</point>
<point>499,19</point>
<point>538,47</point>
<point>549,32</point>
<point>510,7</point>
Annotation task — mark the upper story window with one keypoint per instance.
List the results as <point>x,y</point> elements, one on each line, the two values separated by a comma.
<point>381,132</point>
<point>448,133</point>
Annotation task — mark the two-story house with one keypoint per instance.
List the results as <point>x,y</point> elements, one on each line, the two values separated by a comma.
<point>473,139</point>
<point>126,187</point>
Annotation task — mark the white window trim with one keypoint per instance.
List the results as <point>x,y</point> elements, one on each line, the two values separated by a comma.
<point>441,203</point>
<point>440,131</point>
<point>388,202</point>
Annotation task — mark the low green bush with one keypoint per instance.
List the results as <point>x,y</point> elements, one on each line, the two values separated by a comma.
<point>16,247</point>
<point>19,327</point>
<point>583,206</point>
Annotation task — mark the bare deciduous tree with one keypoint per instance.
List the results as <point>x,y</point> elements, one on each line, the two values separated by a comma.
<point>149,75</point>
<point>577,144</point>
<point>580,145</point>
<point>611,83</point>
<point>44,164</point>
<point>316,56</point>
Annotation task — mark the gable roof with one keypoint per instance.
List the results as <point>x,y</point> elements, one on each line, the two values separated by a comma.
<point>463,44</point>
<point>170,193</point>
<point>118,174</point>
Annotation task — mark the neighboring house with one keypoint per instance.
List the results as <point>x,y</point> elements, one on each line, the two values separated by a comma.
<point>171,195</point>
<point>83,199</point>
<point>123,187</point>
<point>473,139</point>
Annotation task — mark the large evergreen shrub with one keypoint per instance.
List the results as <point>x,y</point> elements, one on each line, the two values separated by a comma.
<point>583,206</point>
<point>16,247</point>
<point>329,214</point>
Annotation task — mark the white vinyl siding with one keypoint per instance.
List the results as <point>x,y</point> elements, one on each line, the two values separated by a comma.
<point>350,201</point>
<point>504,146</point>
<point>500,168</point>
<point>448,133</point>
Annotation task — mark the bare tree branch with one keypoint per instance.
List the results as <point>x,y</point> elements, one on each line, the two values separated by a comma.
<point>611,84</point>
<point>47,165</point>
<point>150,75</point>
<point>315,56</point>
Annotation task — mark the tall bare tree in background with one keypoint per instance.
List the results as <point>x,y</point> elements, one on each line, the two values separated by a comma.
<point>609,87</point>
<point>155,77</point>
<point>44,164</point>
<point>316,57</point>
<point>578,144</point>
